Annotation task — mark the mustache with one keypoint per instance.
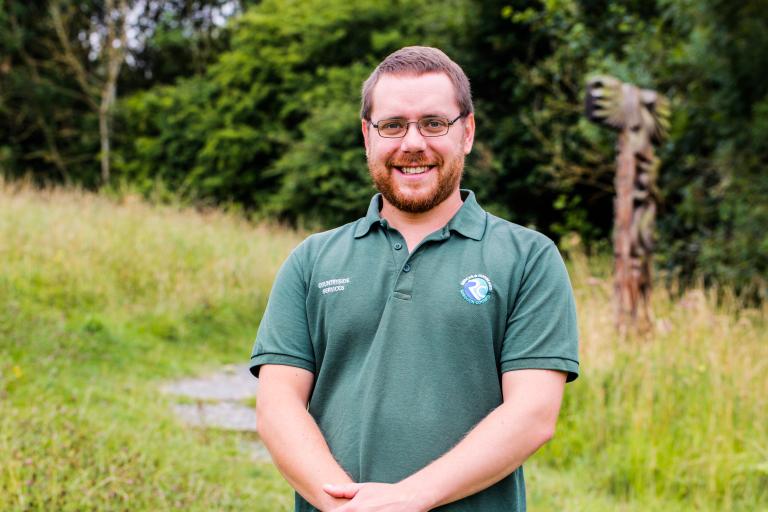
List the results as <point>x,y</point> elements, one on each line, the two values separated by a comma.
<point>419,160</point>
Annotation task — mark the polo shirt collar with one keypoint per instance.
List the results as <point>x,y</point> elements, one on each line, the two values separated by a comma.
<point>469,221</point>
<point>372,217</point>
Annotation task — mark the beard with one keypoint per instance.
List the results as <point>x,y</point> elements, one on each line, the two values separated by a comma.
<point>448,179</point>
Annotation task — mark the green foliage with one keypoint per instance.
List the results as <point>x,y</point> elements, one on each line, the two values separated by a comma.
<point>708,57</point>
<point>174,39</point>
<point>536,56</point>
<point>261,112</point>
<point>272,124</point>
<point>715,180</point>
<point>323,176</point>
<point>46,128</point>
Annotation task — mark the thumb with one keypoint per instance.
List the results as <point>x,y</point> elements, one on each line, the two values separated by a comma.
<point>347,491</point>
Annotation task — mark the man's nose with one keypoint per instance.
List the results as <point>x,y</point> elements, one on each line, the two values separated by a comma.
<point>413,140</point>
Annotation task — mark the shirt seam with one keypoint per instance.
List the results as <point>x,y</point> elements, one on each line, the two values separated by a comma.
<point>282,355</point>
<point>539,357</point>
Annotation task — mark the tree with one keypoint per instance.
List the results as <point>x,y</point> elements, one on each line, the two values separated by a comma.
<point>97,80</point>
<point>62,62</point>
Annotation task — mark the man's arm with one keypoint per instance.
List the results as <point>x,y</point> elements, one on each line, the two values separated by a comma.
<point>293,438</point>
<point>492,450</point>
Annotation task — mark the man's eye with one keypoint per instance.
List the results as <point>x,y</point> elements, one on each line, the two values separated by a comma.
<point>392,125</point>
<point>434,123</point>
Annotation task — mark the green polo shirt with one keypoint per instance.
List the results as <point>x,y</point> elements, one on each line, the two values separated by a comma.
<point>408,348</point>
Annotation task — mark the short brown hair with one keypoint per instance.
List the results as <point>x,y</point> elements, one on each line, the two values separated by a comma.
<point>419,60</point>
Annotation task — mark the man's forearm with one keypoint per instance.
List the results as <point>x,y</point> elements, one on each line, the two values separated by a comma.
<point>297,446</point>
<point>493,449</point>
<point>302,455</point>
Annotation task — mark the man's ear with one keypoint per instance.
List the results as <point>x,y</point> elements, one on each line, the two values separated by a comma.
<point>364,127</point>
<point>469,133</point>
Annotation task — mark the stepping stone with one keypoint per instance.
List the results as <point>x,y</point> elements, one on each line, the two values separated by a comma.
<point>224,415</point>
<point>233,382</point>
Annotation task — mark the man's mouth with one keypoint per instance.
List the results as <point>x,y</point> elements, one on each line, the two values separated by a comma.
<point>414,169</point>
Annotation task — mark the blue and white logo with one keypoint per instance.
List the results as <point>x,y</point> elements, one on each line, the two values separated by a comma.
<point>476,289</point>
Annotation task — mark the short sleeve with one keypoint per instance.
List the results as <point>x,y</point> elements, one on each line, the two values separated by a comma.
<point>541,330</point>
<point>283,336</point>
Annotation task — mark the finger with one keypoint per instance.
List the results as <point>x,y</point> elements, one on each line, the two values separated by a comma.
<point>347,491</point>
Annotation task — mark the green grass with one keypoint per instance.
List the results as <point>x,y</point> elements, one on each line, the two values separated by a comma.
<point>102,301</point>
<point>99,304</point>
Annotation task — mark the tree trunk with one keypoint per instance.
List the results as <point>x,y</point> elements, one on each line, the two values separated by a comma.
<point>114,56</point>
<point>104,137</point>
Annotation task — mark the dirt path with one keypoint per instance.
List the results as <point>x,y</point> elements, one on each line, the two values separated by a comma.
<point>221,400</point>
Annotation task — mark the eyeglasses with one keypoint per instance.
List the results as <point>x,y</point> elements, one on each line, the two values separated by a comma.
<point>433,126</point>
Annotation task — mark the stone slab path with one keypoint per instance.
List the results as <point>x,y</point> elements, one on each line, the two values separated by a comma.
<point>220,400</point>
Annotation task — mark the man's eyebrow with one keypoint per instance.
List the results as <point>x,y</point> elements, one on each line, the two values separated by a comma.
<point>420,117</point>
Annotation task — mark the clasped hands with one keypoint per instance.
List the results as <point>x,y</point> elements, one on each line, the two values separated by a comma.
<point>378,497</point>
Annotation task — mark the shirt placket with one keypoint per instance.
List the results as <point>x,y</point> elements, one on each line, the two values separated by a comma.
<point>406,264</point>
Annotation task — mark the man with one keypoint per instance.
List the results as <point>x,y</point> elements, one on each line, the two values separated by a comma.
<point>415,358</point>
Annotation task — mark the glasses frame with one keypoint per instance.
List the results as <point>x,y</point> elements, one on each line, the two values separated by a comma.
<point>409,123</point>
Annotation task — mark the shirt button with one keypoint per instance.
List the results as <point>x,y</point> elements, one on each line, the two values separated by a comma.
<point>398,246</point>
<point>406,268</point>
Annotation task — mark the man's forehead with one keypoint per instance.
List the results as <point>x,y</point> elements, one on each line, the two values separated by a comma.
<point>404,93</point>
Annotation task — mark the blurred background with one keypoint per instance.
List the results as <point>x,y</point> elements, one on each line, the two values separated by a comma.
<point>160,158</point>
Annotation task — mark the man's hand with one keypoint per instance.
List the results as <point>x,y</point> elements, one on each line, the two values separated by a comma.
<point>370,497</point>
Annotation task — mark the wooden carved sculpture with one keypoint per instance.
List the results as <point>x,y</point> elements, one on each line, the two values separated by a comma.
<point>642,118</point>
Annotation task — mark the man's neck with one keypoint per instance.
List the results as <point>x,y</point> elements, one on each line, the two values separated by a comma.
<point>416,226</point>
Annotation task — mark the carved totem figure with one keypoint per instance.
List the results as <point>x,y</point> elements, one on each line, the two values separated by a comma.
<point>642,118</point>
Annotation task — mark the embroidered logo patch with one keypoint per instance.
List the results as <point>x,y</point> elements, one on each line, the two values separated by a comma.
<point>333,285</point>
<point>476,289</point>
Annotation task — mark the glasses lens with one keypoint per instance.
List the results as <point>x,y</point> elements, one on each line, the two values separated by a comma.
<point>433,126</point>
<point>392,127</point>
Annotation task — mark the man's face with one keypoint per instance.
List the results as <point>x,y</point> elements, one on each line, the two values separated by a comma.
<point>416,173</point>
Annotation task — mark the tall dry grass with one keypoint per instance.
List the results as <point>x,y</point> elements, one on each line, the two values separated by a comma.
<point>673,420</point>
<point>129,254</point>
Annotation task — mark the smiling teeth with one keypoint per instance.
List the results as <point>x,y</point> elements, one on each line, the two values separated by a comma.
<point>414,170</point>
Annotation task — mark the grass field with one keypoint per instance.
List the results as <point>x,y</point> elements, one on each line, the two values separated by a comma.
<point>102,300</point>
